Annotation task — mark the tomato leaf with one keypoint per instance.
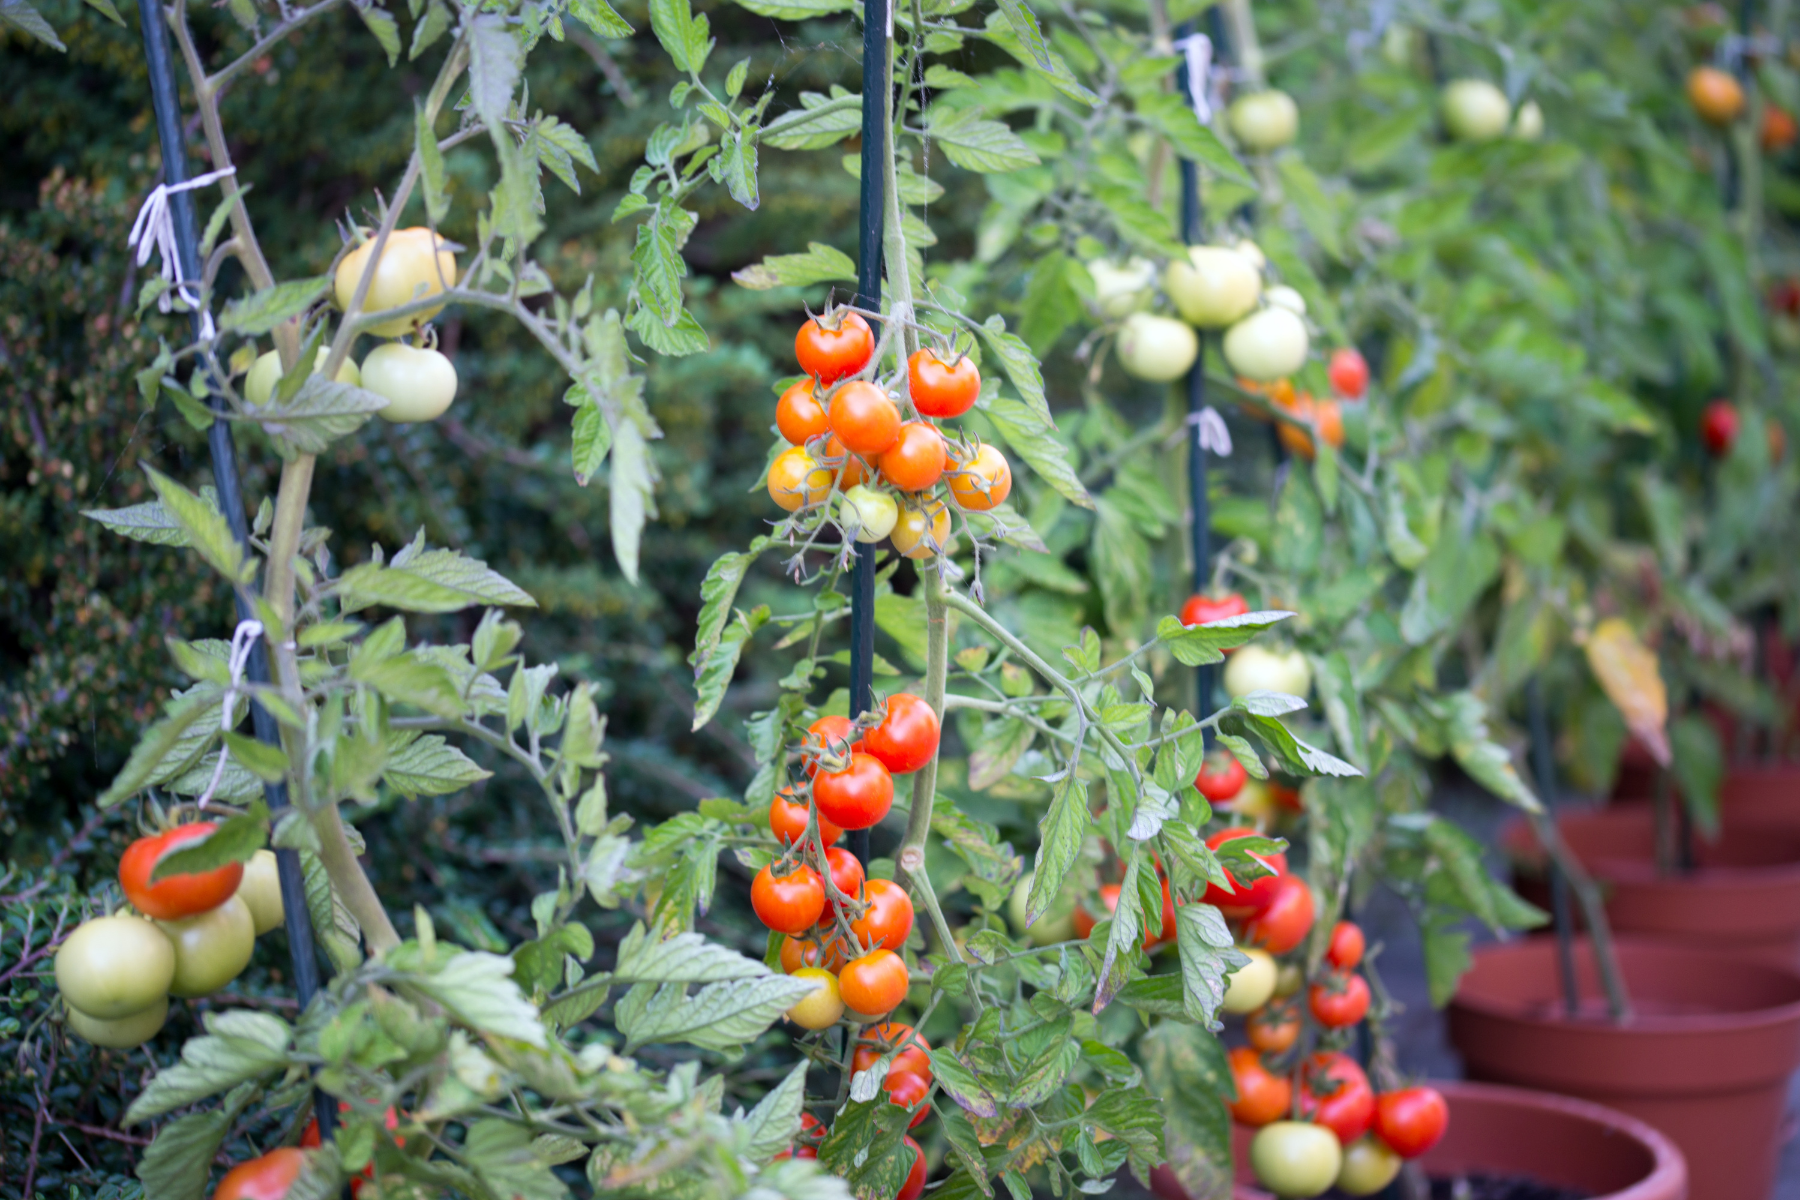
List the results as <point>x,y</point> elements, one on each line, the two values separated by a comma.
<point>1207,958</point>
<point>600,17</point>
<point>1029,433</point>
<point>820,264</point>
<point>771,1126</point>
<point>1186,1069</point>
<point>796,10</point>
<point>428,766</point>
<point>239,1046</point>
<point>27,20</point>
<point>205,526</point>
<point>381,23</point>
<point>976,144</point>
<point>1201,645</point>
<point>260,312</point>
<point>322,412</point>
<point>178,1163</point>
<point>720,1016</point>
<point>818,122</point>
<point>428,581</point>
<point>147,522</point>
<point>1174,118</point>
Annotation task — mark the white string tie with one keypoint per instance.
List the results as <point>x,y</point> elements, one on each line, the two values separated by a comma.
<point>1210,432</point>
<point>243,641</point>
<point>154,231</point>
<point>1199,50</point>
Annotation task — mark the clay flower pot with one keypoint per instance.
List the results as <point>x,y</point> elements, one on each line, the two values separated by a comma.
<point>1744,894</point>
<point>1512,1132</point>
<point>1705,1059</point>
<point>1762,795</point>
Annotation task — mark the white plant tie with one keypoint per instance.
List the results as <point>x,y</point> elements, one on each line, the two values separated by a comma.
<point>1199,50</point>
<point>1210,432</point>
<point>154,230</point>
<point>243,641</point>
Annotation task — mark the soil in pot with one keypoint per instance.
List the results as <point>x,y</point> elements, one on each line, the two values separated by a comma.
<point>1706,1058</point>
<point>1743,894</point>
<point>1482,1186</point>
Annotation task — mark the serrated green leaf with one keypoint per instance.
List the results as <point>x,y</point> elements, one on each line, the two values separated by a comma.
<point>818,123</point>
<point>719,1016</point>
<point>430,581</point>
<point>820,264</point>
<point>205,526</point>
<point>975,143</point>
<point>428,766</point>
<point>262,311</point>
<point>239,1045</point>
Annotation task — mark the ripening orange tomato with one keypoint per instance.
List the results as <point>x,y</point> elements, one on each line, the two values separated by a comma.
<point>790,903</point>
<point>982,482</point>
<point>941,389</point>
<point>834,346</point>
<point>864,418</point>
<point>797,479</point>
<point>875,984</point>
<point>1716,95</point>
<point>788,817</point>
<point>850,469</point>
<point>175,896</point>
<point>825,950</point>
<point>917,459</point>
<point>1262,1095</point>
<point>922,533</point>
<point>799,415</point>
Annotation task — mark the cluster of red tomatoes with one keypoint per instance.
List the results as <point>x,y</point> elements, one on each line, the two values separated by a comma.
<point>1319,1121</point>
<point>1349,375</point>
<point>907,1083</point>
<point>842,929</point>
<point>190,936</point>
<point>269,1176</point>
<point>848,434</point>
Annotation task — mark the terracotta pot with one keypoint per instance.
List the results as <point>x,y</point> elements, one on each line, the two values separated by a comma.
<point>1509,1131</point>
<point>1705,1059</point>
<point>1744,895</point>
<point>1762,796</point>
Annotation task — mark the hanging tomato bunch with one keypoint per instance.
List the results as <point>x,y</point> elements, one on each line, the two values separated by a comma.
<point>847,435</point>
<point>1320,1122</point>
<point>189,935</point>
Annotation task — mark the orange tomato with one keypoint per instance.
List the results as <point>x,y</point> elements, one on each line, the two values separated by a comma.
<point>799,415</point>
<point>1716,95</point>
<point>917,458</point>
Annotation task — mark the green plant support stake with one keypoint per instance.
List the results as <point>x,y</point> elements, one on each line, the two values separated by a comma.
<point>166,102</point>
<point>877,82</point>
<point>1198,501</point>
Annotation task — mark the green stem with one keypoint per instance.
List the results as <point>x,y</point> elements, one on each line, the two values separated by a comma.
<point>976,613</point>
<point>911,859</point>
<point>350,883</point>
<point>1606,960</point>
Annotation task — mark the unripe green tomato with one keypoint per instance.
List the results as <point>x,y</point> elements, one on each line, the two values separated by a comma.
<point>1250,986</point>
<point>869,513</point>
<point>1121,289</point>
<point>1475,110</point>
<point>1255,668</point>
<point>1057,924</point>
<point>1267,345</point>
<point>1283,296</point>
<point>1289,980</point>
<point>1213,286</point>
<point>418,384</point>
<point>265,373</point>
<point>1295,1159</point>
<point>1370,1164</point>
<point>120,1033</point>
<point>405,273</point>
<point>1528,122</point>
<point>113,967</point>
<point>1264,121</point>
<point>1155,348</point>
<point>260,890</point>
<point>211,948</point>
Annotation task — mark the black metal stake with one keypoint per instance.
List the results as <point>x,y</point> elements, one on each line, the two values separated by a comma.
<point>877,87</point>
<point>165,101</point>
<point>1543,759</point>
<point>1199,503</point>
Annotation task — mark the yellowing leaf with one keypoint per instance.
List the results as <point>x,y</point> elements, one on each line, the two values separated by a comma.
<point>1627,671</point>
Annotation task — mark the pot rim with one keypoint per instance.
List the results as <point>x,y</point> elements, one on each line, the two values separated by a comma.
<point>1519,844</point>
<point>1641,1023</point>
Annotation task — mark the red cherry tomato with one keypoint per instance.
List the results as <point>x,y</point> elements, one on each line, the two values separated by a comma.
<point>265,1178</point>
<point>1719,427</point>
<point>865,419</point>
<point>790,903</point>
<point>802,1152</point>
<point>842,345</point>
<point>832,735</point>
<point>1253,896</point>
<point>1784,296</point>
<point>1287,919</point>
<point>1262,1095</point>
<point>912,1059</point>
<point>908,1091</point>
<point>1272,1029</point>
<point>888,920</point>
<point>1349,373</point>
<point>939,389</point>
<point>916,460</point>
<point>1346,948</point>
<point>787,820</point>
<point>875,984</point>
<point>1411,1120</point>
<point>176,896</point>
<point>1339,1001</point>
<point>846,874</point>
<point>856,797</point>
<point>1221,777</point>
<point>1203,610</point>
<point>914,1187</point>
<point>907,736</point>
<point>1336,1094</point>
<point>799,415</point>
